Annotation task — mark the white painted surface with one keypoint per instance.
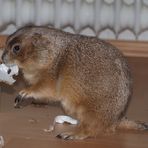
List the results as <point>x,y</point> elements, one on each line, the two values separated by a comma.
<point>109,19</point>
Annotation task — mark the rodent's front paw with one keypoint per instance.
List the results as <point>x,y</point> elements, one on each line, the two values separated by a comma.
<point>23,99</point>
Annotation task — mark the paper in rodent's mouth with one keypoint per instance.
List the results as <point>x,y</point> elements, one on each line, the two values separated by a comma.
<point>7,72</point>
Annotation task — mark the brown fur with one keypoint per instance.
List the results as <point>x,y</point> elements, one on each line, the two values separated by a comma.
<point>90,77</point>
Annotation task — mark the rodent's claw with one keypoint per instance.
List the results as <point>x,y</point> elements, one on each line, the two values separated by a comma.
<point>17,100</point>
<point>64,136</point>
<point>71,136</point>
<point>22,100</point>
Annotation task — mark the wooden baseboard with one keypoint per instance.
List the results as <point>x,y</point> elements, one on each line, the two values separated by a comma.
<point>129,48</point>
<point>132,48</point>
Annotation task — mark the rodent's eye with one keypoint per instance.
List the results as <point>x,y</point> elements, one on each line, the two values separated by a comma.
<point>16,49</point>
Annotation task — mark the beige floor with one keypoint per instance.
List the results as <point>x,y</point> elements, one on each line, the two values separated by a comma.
<point>23,128</point>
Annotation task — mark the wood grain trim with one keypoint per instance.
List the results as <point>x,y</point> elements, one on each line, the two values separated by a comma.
<point>129,48</point>
<point>132,48</point>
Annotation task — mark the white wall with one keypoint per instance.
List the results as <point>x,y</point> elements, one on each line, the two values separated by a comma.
<point>109,19</point>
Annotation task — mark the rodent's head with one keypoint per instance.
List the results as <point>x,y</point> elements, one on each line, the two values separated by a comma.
<point>28,48</point>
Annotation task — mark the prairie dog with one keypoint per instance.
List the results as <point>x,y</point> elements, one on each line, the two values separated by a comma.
<point>90,77</point>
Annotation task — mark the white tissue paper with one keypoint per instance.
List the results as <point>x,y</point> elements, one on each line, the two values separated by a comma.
<point>61,119</point>
<point>1,142</point>
<point>7,73</point>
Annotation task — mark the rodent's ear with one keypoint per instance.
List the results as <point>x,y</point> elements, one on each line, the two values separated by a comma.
<point>38,40</point>
<point>36,37</point>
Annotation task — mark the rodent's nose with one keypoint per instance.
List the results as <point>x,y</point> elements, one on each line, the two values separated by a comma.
<point>3,57</point>
<point>1,52</point>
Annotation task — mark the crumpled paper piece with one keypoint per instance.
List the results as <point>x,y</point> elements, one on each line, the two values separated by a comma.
<point>61,119</point>
<point>1,142</point>
<point>7,73</point>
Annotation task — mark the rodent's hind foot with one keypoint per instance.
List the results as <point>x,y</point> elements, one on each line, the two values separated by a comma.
<point>72,136</point>
<point>23,99</point>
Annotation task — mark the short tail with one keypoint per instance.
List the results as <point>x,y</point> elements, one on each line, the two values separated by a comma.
<point>126,124</point>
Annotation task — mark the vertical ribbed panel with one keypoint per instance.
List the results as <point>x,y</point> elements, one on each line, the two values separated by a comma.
<point>110,19</point>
